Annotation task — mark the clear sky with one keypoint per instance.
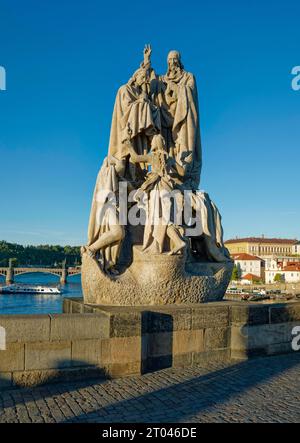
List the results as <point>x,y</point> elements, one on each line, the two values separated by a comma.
<point>65,60</point>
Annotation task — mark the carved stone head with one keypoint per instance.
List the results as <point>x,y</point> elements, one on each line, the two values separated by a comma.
<point>174,62</point>
<point>139,77</point>
<point>158,143</point>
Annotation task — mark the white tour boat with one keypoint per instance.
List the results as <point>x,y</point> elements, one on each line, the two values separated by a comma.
<point>29,289</point>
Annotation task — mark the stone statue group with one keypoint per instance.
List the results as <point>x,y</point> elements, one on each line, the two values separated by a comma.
<point>155,150</point>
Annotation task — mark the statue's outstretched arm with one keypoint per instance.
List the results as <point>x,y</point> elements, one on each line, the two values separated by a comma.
<point>147,56</point>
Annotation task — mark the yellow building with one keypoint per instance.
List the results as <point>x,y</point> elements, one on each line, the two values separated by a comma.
<point>261,246</point>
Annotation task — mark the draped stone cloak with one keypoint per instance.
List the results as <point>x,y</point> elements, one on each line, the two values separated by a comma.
<point>180,123</point>
<point>212,230</point>
<point>104,212</point>
<point>132,108</point>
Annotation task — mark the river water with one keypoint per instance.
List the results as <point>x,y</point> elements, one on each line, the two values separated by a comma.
<point>38,304</point>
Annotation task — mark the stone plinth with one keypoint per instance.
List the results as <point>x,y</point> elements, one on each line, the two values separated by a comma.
<point>144,338</point>
<point>109,341</point>
<point>159,279</point>
<point>184,335</point>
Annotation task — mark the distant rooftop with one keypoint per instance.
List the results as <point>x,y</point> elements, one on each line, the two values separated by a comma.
<point>251,277</point>
<point>245,257</point>
<point>279,241</point>
<point>291,267</point>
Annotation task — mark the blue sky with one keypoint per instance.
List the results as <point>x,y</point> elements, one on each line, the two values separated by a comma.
<point>65,61</point>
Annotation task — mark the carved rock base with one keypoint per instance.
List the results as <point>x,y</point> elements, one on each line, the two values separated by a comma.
<point>155,280</point>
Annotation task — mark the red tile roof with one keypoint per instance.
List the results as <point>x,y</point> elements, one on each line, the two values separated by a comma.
<point>251,277</point>
<point>292,266</point>
<point>292,269</point>
<point>279,241</point>
<point>243,256</point>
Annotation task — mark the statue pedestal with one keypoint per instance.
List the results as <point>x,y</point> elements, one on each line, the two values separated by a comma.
<point>138,339</point>
<point>155,279</point>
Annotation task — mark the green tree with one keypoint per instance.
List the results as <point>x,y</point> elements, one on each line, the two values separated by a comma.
<point>235,273</point>
<point>42,255</point>
<point>279,278</point>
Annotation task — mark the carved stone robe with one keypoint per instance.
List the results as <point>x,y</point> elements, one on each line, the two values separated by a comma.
<point>104,213</point>
<point>212,245</point>
<point>134,109</point>
<point>180,122</point>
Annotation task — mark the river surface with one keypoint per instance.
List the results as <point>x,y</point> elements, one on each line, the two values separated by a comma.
<point>38,304</point>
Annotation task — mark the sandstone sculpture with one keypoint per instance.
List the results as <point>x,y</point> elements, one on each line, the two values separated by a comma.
<point>153,237</point>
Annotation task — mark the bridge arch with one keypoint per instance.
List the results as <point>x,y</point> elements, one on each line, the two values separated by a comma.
<point>57,274</point>
<point>10,274</point>
<point>74,274</point>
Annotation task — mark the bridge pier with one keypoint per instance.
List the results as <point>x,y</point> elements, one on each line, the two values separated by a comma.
<point>63,277</point>
<point>9,279</point>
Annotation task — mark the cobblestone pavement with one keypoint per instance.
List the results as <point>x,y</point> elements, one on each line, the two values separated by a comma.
<point>266,389</point>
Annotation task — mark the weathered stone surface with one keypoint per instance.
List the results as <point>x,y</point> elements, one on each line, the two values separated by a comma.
<point>182,360</point>
<point>165,336</point>
<point>271,334</point>
<point>260,339</point>
<point>219,356</point>
<point>260,336</point>
<point>125,324</point>
<point>86,352</point>
<point>12,359</point>
<point>40,377</point>
<point>79,326</point>
<point>48,355</point>
<point>249,314</point>
<point>67,305</point>
<point>171,343</point>
<point>216,338</point>
<point>285,313</point>
<point>167,319</point>
<point>209,316</point>
<point>187,342</point>
<point>160,344</point>
<point>169,283</point>
<point>158,363</point>
<point>121,350</point>
<point>77,308</point>
<point>26,328</point>
<point>124,369</point>
<point>158,322</point>
<point>105,351</point>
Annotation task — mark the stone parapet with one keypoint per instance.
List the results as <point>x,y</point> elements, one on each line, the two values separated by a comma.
<point>110,341</point>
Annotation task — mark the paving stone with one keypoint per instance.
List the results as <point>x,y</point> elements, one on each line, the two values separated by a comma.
<point>259,390</point>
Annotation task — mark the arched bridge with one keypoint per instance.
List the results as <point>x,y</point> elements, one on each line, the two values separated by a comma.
<point>63,273</point>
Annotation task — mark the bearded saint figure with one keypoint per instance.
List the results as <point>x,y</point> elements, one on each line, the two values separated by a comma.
<point>176,96</point>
